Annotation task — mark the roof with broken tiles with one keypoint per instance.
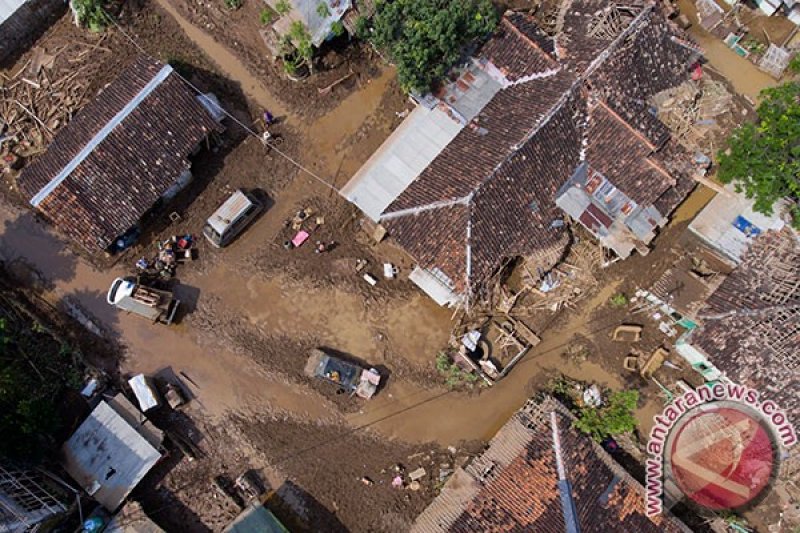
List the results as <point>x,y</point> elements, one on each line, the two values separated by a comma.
<point>751,328</point>
<point>514,484</point>
<point>581,95</point>
<point>121,153</point>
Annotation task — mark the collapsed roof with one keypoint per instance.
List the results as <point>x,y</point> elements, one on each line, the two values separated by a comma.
<point>579,97</point>
<point>751,328</point>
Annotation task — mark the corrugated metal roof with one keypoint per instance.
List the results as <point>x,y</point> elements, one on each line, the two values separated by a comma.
<point>305,11</point>
<point>715,226</point>
<point>8,7</point>
<point>107,456</point>
<point>434,287</point>
<point>255,519</point>
<point>228,211</point>
<point>400,159</point>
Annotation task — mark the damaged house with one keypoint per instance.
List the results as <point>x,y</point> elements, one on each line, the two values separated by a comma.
<point>541,474</point>
<point>533,129</point>
<point>123,153</point>
<point>751,323</point>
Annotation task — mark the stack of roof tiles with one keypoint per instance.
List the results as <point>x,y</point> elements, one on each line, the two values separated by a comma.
<point>752,321</point>
<point>489,195</point>
<point>513,485</point>
<point>121,178</point>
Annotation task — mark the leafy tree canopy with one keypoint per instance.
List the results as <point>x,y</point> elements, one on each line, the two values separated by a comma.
<point>36,368</point>
<point>426,37</point>
<point>615,417</point>
<point>763,159</point>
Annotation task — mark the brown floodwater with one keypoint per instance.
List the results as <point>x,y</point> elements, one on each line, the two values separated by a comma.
<point>745,77</point>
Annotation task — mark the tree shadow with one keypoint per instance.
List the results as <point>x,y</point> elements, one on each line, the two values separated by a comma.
<point>299,511</point>
<point>161,505</point>
<point>35,255</point>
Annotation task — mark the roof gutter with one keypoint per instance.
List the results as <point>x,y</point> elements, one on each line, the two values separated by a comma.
<point>564,488</point>
<point>100,136</point>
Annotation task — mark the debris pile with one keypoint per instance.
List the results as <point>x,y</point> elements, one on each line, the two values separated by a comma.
<point>567,283</point>
<point>43,95</point>
<point>692,110</point>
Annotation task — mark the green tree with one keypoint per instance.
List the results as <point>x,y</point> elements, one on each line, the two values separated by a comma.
<point>424,38</point>
<point>763,159</point>
<point>283,7</point>
<point>337,28</point>
<point>90,13</point>
<point>615,417</point>
<point>266,16</point>
<point>35,370</point>
<point>322,10</point>
<point>794,64</point>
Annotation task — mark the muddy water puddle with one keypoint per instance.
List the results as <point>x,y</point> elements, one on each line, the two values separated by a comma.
<point>416,329</point>
<point>745,77</point>
<point>224,381</point>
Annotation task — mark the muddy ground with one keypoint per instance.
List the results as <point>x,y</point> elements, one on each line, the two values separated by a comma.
<point>239,31</point>
<point>253,310</point>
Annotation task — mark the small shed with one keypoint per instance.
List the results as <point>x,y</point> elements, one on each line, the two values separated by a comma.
<point>108,456</point>
<point>775,61</point>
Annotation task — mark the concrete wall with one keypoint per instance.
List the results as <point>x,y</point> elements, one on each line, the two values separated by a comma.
<point>26,24</point>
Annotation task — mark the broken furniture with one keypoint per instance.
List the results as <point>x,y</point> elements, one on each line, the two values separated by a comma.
<point>654,362</point>
<point>631,362</point>
<point>627,333</point>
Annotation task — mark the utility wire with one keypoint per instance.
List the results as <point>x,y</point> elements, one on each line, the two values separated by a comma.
<point>215,105</point>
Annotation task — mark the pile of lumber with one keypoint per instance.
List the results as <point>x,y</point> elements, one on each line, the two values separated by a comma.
<point>567,283</point>
<point>691,111</point>
<point>42,94</point>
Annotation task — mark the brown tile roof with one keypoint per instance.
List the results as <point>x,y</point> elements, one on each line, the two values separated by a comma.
<point>751,330</point>
<point>519,49</point>
<point>505,167</point>
<point>622,154</point>
<point>513,485</point>
<point>121,178</point>
<point>653,58</point>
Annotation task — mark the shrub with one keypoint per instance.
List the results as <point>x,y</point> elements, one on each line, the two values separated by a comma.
<point>453,375</point>
<point>233,4</point>
<point>283,7</point>
<point>618,300</point>
<point>613,418</point>
<point>322,10</point>
<point>337,28</point>
<point>266,16</point>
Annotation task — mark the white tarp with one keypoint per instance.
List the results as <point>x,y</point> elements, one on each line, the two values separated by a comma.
<point>144,393</point>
